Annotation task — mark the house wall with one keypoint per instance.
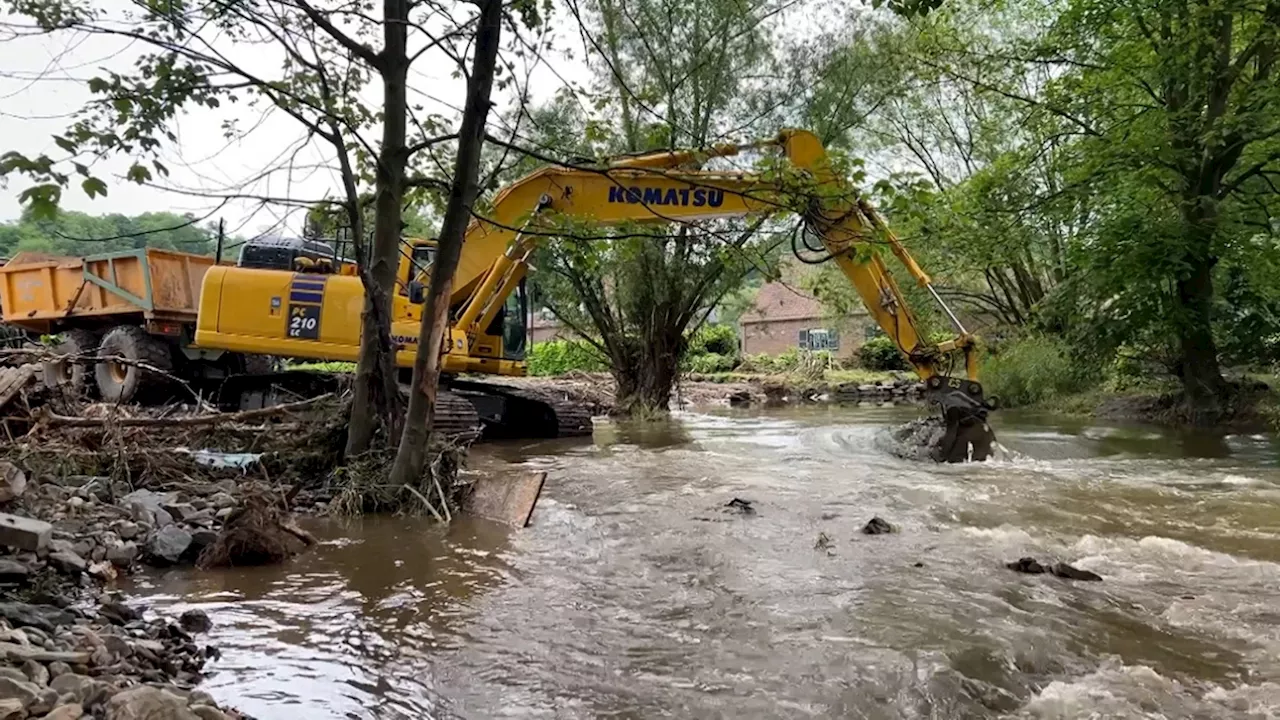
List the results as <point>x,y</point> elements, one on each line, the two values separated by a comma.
<point>775,337</point>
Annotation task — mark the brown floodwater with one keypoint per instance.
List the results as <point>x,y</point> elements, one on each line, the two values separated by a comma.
<point>634,594</point>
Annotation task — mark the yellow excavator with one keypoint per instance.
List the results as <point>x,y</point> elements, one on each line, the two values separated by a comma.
<point>296,311</point>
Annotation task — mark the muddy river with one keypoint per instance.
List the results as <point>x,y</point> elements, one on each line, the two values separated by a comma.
<point>633,594</point>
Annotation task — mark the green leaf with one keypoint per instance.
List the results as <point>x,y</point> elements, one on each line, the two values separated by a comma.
<point>138,173</point>
<point>43,200</point>
<point>93,187</point>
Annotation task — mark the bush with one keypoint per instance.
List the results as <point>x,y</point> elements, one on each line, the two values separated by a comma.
<point>793,360</point>
<point>709,363</point>
<point>880,353</point>
<point>1035,369</point>
<point>557,357</point>
<point>715,340</point>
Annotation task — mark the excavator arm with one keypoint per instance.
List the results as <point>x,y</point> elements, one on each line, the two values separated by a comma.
<point>669,187</point>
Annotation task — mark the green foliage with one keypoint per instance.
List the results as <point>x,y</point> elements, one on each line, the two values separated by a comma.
<point>76,233</point>
<point>557,357</point>
<point>707,363</point>
<point>712,349</point>
<point>880,353</point>
<point>1035,369</point>
<point>333,366</point>
<point>714,339</point>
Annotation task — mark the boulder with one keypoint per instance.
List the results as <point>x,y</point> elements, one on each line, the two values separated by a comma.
<point>123,555</point>
<point>13,482</point>
<point>195,621</point>
<point>76,689</point>
<point>23,691</point>
<point>68,562</point>
<point>209,712</point>
<point>877,526</point>
<point>148,703</point>
<point>36,672</point>
<point>222,500</point>
<point>1027,565</point>
<point>55,658</point>
<point>127,530</point>
<point>24,533</point>
<point>167,544</point>
<point>74,711</point>
<point>11,709</point>
<point>119,613</point>
<point>14,674</point>
<point>1068,572</point>
<point>44,617</point>
<point>12,571</point>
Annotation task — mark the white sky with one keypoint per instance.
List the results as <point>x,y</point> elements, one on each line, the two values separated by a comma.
<point>42,85</point>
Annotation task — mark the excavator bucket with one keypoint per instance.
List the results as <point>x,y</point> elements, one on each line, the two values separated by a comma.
<point>967,436</point>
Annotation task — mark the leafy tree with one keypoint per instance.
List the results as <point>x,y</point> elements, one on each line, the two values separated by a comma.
<point>668,73</point>
<point>332,52</point>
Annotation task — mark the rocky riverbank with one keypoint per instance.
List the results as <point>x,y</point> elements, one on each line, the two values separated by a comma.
<point>73,646</point>
<point>90,498</point>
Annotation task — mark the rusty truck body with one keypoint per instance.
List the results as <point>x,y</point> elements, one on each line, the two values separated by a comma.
<point>118,316</point>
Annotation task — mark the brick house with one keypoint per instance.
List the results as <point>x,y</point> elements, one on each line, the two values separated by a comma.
<point>784,317</point>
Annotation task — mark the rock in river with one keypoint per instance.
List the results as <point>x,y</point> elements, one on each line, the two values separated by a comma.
<point>195,621</point>
<point>1026,565</point>
<point>167,544</point>
<point>877,526</point>
<point>1068,572</point>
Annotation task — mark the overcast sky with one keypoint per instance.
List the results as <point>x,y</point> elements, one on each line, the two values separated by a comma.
<point>42,84</point>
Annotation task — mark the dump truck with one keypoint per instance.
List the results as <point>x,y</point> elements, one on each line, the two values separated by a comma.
<point>124,321</point>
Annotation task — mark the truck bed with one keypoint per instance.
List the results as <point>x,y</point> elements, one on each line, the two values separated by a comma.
<point>43,293</point>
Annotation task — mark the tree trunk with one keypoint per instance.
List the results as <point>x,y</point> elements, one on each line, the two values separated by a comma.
<point>376,395</point>
<point>645,379</point>
<point>1202,380</point>
<point>412,453</point>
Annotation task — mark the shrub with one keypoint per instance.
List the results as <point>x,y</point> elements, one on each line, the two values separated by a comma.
<point>880,353</point>
<point>713,348</point>
<point>1034,369</point>
<point>709,363</point>
<point>557,357</point>
<point>714,339</point>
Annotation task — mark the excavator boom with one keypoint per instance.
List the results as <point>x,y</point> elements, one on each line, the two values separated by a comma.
<point>659,187</point>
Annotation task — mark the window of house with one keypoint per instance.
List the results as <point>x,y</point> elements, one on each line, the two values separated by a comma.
<point>819,339</point>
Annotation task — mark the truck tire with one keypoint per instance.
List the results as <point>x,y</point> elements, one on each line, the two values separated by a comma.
<point>122,382</point>
<point>68,374</point>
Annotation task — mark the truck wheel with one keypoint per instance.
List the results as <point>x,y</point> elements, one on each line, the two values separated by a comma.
<point>122,382</point>
<point>68,374</point>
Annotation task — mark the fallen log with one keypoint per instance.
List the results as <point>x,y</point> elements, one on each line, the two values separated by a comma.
<point>54,419</point>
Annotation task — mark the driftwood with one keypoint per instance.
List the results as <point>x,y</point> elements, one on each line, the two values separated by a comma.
<point>53,419</point>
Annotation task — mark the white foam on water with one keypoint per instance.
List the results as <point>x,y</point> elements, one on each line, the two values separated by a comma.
<point>1116,690</point>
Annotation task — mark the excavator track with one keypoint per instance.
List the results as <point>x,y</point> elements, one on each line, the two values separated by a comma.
<point>463,408</point>
<point>515,412</point>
